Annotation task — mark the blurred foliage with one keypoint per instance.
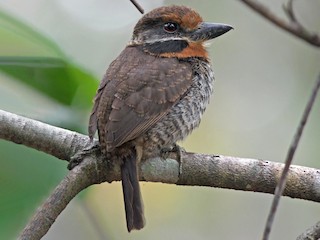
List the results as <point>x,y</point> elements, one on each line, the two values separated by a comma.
<point>56,78</point>
<point>32,59</point>
<point>43,67</point>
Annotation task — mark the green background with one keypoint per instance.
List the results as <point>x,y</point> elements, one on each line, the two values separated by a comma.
<point>52,55</point>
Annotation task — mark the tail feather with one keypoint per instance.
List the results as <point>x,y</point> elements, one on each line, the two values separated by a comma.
<point>131,193</point>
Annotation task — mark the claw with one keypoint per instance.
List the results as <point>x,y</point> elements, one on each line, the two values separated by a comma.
<point>76,159</point>
<point>175,148</point>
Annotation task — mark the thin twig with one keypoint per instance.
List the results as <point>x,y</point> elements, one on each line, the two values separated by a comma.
<point>288,10</point>
<point>281,185</point>
<point>137,5</point>
<point>292,27</point>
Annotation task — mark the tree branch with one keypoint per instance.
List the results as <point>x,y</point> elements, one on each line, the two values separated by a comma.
<point>76,180</point>
<point>58,142</point>
<point>194,170</point>
<point>293,26</point>
<point>311,233</point>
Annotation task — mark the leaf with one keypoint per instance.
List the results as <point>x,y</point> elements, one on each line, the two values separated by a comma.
<point>35,60</point>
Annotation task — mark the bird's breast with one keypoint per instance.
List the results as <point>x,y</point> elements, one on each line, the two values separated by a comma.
<point>186,114</point>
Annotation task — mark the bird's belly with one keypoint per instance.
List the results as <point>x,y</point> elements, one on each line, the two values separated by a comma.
<point>182,118</point>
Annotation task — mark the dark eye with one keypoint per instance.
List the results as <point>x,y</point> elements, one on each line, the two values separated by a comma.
<point>170,27</point>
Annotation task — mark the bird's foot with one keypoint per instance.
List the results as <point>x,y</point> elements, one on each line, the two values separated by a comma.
<point>78,157</point>
<point>175,148</point>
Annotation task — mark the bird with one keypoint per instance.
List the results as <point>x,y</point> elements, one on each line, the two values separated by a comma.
<point>154,94</point>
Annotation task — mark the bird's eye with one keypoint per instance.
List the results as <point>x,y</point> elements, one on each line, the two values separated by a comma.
<point>170,27</point>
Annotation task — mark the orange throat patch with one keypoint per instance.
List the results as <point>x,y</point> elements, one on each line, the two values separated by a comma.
<point>194,49</point>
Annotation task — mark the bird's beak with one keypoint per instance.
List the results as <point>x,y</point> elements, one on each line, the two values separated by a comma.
<point>207,31</point>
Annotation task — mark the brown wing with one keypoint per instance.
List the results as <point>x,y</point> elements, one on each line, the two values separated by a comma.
<point>136,92</point>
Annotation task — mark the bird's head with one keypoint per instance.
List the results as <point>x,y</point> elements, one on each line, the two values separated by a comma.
<point>175,31</point>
